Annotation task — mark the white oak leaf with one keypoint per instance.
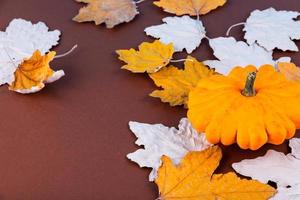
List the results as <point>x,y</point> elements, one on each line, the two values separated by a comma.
<point>232,53</point>
<point>295,146</point>
<point>159,140</point>
<point>20,40</point>
<point>285,193</point>
<point>273,29</point>
<point>277,167</point>
<point>184,32</point>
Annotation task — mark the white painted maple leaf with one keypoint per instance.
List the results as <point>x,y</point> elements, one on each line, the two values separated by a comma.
<point>184,32</point>
<point>159,140</point>
<point>273,29</point>
<point>277,167</point>
<point>20,40</point>
<point>232,53</point>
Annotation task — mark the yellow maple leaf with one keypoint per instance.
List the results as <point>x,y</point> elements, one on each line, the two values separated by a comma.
<point>190,7</point>
<point>290,71</point>
<point>150,58</point>
<point>177,83</point>
<point>31,75</point>
<point>193,179</point>
<point>107,11</point>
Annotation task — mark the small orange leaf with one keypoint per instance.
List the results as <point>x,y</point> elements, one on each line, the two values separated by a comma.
<point>189,7</point>
<point>31,75</point>
<point>193,179</point>
<point>290,71</point>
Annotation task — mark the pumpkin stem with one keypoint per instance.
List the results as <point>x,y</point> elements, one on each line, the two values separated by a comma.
<point>249,90</point>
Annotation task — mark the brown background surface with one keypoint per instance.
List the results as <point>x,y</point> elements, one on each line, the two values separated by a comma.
<point>69,141</point>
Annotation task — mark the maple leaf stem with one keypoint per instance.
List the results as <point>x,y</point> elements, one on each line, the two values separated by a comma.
<point>140,1</point>
<point>181,60</point>
<point>208,38</point>
<point>234,25</point>
<point>198,15</point>
<point>249,90</point>
<point>67,53</point>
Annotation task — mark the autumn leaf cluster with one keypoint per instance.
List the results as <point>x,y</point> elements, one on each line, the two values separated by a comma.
<point>245,96</point>
<point>203,87</point>
<point>25,58</point>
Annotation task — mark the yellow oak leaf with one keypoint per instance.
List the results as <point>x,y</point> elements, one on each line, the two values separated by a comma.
<point>31,75</point>
<point>290,71</point>
<point>190,7</point>
<point>109,12</point>
<point>177,83</point>
<point>193,179</point>
<point>150,58</point>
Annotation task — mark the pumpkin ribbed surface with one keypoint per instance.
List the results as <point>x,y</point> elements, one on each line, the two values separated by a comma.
<point>218,108</point>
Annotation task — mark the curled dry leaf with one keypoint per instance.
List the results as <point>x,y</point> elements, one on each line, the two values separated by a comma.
<point>232,53</point>
<point>189,7</point>
<point>290,71</point>
<point>177,83</point>
<point>273,29</point>
<point>277,167</point>
<point>33,73</point>
<point>109,12</point>
<point>193,179</point>
<point>184,32</point>
<point>249,107</point>
<point>159,140</point>
<point>150,58</point>
<point>15,47</point>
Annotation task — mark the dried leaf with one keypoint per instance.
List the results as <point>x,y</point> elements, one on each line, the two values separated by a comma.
<point>31,75</point>
<point>150,58</point>
<point>20,40</point>
<point>184,32</point>
<point>189,7</point>
<point>273,29</point>
<point>194,179</point>
<point>290,71</point>
<point>177,83</point>
<point>277,167</point>
<point>232,53</point>
<point>109,12</point>
<point>159,140</point>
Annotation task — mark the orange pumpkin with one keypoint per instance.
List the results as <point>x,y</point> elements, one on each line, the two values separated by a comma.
<point>249,106</point>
